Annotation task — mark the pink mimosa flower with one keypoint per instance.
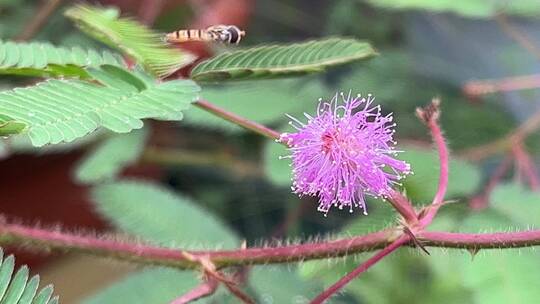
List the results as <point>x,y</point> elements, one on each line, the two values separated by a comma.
<point>344,153</point>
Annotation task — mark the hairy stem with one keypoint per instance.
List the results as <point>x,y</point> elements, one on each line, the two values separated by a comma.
<point>403,207</point>
<point>13,234</point>
<point>430,116</point>
<point>325,295</point>
<point>238,120</point>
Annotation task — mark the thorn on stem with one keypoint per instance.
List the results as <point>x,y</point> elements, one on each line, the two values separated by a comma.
<point>473,252</point>
<point>430,112</point>
<point>416,242</point>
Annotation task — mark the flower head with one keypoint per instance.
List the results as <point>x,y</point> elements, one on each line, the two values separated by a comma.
<point>344,153</point>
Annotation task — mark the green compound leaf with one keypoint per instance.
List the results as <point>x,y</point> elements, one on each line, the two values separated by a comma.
<point>45,60</point>
<point>9,126</point>
<point>468,8</point>
<point>130,37</point>
<point>282,60</point>
<point>16,288</point>
<point>161,216</point>
<point>111,156</point>
<point>63,110</point>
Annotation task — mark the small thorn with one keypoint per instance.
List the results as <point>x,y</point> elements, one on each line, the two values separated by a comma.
<point>473,252</point>
<point>416,242</point>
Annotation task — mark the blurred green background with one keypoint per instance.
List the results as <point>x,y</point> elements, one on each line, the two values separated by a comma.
<point>226,176</point>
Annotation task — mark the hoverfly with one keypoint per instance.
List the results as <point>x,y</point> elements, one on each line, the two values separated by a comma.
<point>217,33</point>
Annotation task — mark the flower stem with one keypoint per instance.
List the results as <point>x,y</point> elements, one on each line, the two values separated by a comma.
<point>403,207</point>
<point>430,116</point>
<point>238,120</point>
<point>325,295</point>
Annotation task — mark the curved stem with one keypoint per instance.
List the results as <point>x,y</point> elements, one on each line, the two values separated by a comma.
<point>430,116</point>
<point>403,206</point>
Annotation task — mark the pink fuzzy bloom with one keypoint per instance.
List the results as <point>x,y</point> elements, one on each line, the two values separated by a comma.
<point>344,153</point>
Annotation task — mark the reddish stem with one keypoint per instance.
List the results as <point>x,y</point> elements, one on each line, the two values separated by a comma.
<point>481,201</point>
<point>504,144</point>
<point>325,295</point>
<point>487,86</point>
<point>480,240</point>
<point>404,207</point>
<point>147,254</point>
<point>36,23</point>
<point>430,116</point>
<point>238,120</point>
<point>526,166</point>
<point>205,289</point>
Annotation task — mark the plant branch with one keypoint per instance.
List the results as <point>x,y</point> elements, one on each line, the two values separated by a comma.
<point>476,88</point>
<point>13,234</point>
<point>430,116</point>
<point>481,201</point>
<point>477,241</point>
<point>238,120</point>
<point>526,166</point>
<point>205,289</point>
<point>504,144</point>
<point>36,23</point>
<point>521,38</point>
<point>404,207</point>
<point>325,295</point>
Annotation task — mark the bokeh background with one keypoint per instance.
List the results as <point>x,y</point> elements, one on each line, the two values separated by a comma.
<point>427,48</point>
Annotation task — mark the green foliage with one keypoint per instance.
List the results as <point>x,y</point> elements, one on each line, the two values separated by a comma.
<point>16,288</point>
<point>161,216</point>
<point>517,203</point>
<point>380,216</point>
<point>265,102</point>
<point>46,60</point>
<point>464,178</point>
<point>64,110</point>
<point>111,156</point>
<point>278,170</point>
<point>507,276</point>
<point>130,37</point>
<point>468,8</point>
<point>156,286</point>
<point>278,284</point>
<point>282,60</point>
<point>10,126</point>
